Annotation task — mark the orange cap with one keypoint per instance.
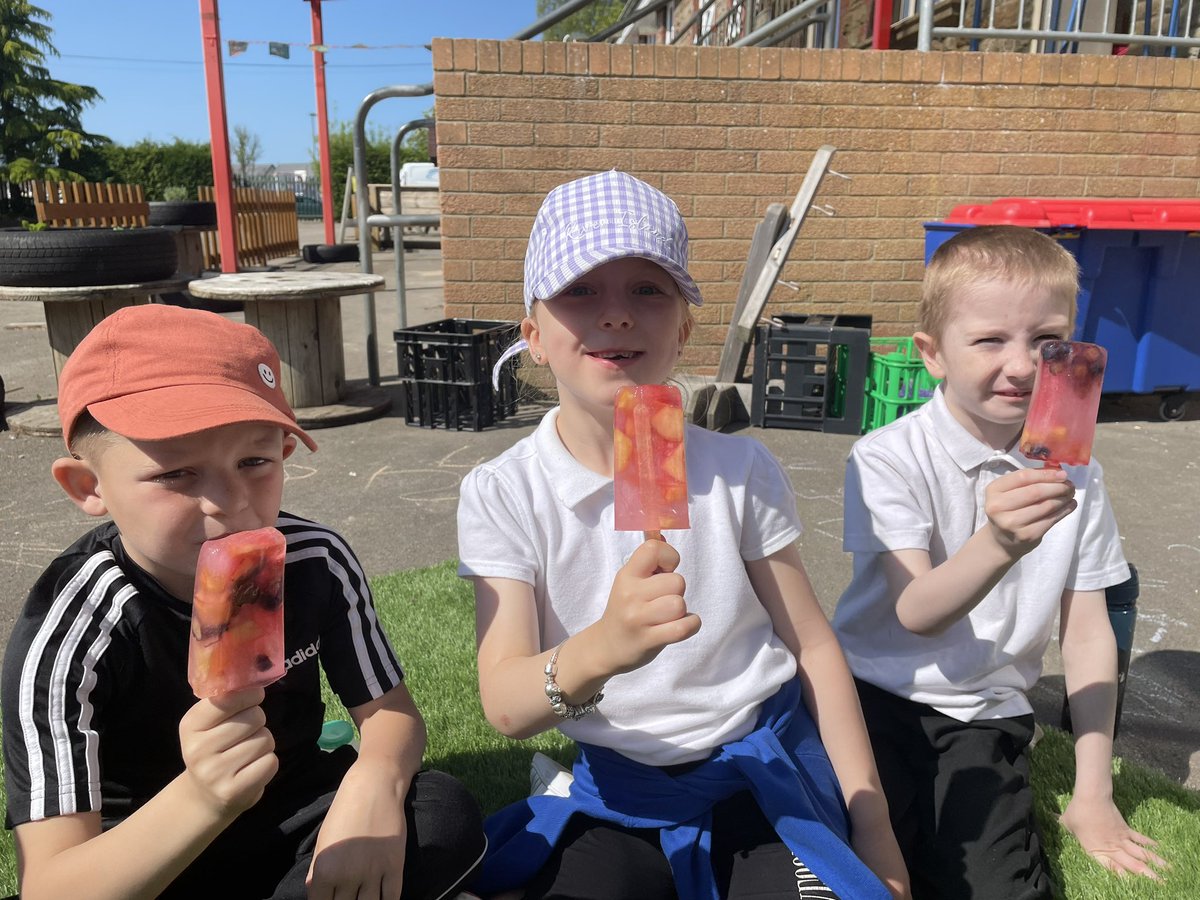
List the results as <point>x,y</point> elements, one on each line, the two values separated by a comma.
<point>153,372</point>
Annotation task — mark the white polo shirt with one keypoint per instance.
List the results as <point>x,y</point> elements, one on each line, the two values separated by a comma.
<point>919,483</point>
<point>535,514</point>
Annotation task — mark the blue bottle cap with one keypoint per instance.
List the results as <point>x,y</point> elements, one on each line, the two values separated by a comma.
<point>335,734</point>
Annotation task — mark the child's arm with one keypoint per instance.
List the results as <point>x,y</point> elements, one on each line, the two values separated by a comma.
<point>1090,663</point>
<point>645,613</point>
<point>1021,507</point>
<point>229,757</point>
<point>360,848</point>
<point>783,587</point>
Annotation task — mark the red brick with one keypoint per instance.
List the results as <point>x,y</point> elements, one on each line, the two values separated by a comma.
<point>685,62</point>
<point>556,57</point>
<point>510,56</point>
<point>488,56</point>
<point>622,59</point>
<point>594,159</point>
<point>577,58</point>
<point>810,64</point>
<point>789,64</point>
<point>771,63</point>
<point>599,58</point>
<point>443,53</point>
<point>449,131</point>
<point>831,65</point>
<point>643,60</point>
<point>672,113</point>
<point>631,136</point>
<point>499,134</point>
<point>727,62</point>
<point>448,83</point>
<point>533,57</point>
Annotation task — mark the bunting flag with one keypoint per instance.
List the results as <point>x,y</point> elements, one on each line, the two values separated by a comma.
<point>279,49</point>
<point>318,48</point>
<point>236,47</point>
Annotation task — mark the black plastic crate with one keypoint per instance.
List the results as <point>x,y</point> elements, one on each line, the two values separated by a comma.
<point>446,373</point>
<point>810,373</point>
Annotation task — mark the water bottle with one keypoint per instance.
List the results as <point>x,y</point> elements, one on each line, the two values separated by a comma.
<point>336,734</point>
<point>1121,600</point>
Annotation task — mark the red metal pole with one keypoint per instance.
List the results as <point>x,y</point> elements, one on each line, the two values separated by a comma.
<point>881,29</point>
<point>318,34</point>
<point>218,128</point>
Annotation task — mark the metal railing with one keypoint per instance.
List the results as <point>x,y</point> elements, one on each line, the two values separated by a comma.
<point>1161,27</point>
<point>754,23</point>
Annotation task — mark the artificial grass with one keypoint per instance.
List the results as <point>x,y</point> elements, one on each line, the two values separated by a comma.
<point>429,615</point>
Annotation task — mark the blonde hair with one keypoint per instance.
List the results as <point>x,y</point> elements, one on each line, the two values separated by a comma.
<point>989,253</point>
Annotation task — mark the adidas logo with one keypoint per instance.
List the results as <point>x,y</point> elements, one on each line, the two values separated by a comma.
<point>302,654</point>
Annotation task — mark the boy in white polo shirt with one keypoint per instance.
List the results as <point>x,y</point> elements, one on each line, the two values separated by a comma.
<point>964,553</point>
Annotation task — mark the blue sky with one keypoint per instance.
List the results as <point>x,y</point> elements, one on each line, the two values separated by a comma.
<point>145,57</point>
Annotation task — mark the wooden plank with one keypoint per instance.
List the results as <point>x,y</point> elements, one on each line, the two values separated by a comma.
<point>271,318</point>
<point>73,204</point>
<point>331,352</point>
<point>304,354</point>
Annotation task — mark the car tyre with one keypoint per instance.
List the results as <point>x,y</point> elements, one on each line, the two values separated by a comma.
<point>74,257</point>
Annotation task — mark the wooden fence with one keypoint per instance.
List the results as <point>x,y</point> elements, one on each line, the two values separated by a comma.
<point>78,204</point>
<point>267,227</point>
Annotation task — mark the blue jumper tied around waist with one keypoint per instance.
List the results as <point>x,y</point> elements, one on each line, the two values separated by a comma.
<point>781,762</point>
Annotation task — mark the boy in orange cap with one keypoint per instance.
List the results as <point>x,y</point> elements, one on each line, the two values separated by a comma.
<point>120,783</point>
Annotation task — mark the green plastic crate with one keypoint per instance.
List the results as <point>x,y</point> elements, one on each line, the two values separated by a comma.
<point>897,381</point>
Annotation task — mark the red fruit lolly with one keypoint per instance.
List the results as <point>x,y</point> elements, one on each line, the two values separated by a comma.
<point>649,465</point>
<point>1061,422</point>
<point>237,613</point>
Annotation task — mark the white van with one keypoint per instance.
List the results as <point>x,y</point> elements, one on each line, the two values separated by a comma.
<point>419,174</point>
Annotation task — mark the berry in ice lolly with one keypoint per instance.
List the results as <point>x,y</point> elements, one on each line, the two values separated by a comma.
<point>1061,421</point>
<point>237,613</point>
<point>649,467</point>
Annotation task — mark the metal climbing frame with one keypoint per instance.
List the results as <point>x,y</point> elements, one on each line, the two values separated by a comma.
<point>366,221</point>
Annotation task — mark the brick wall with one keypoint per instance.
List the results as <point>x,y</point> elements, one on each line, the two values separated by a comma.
<point>727,131</point>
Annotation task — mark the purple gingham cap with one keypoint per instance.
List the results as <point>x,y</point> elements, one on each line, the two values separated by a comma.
<point>594,220</point>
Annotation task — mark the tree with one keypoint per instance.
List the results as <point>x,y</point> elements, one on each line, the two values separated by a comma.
<point>378,150</point>
<point>589,20</point>
<point>41,135</point>
<point>246,148</point>
<point>156,166</point>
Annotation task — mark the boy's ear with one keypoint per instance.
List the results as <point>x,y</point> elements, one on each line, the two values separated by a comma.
<point>927,347</point>
<point>79,482</point>
<point>289,444</point>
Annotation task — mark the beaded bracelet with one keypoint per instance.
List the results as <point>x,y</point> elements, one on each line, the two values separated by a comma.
<point>554,693</point>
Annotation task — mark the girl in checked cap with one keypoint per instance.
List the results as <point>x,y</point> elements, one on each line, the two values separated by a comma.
<point>718,728</point>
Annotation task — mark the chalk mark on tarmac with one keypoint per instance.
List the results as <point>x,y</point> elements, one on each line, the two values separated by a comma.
<point>438,483</point>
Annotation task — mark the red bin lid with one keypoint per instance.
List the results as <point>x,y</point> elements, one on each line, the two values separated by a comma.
<point>1142,214</point>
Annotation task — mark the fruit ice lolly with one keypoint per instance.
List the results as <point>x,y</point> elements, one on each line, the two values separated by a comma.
<point>1061,421</point>
<point>237,613</point>
<point>649,467</point>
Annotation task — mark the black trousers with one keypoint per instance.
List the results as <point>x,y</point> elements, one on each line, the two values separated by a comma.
<point>445,840</point>
<point>597,860</point>
<point>959,798</point>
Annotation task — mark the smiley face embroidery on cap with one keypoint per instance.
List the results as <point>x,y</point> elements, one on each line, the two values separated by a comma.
<point>267,376</point>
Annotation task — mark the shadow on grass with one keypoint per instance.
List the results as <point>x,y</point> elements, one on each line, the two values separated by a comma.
<point>1159,727</point>
<point>498,776</point>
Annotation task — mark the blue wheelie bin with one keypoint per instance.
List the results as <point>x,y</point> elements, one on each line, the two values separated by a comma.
<point>1139,292</point>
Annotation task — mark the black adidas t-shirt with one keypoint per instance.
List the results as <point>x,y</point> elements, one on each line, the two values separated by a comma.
<point>95,681</point>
